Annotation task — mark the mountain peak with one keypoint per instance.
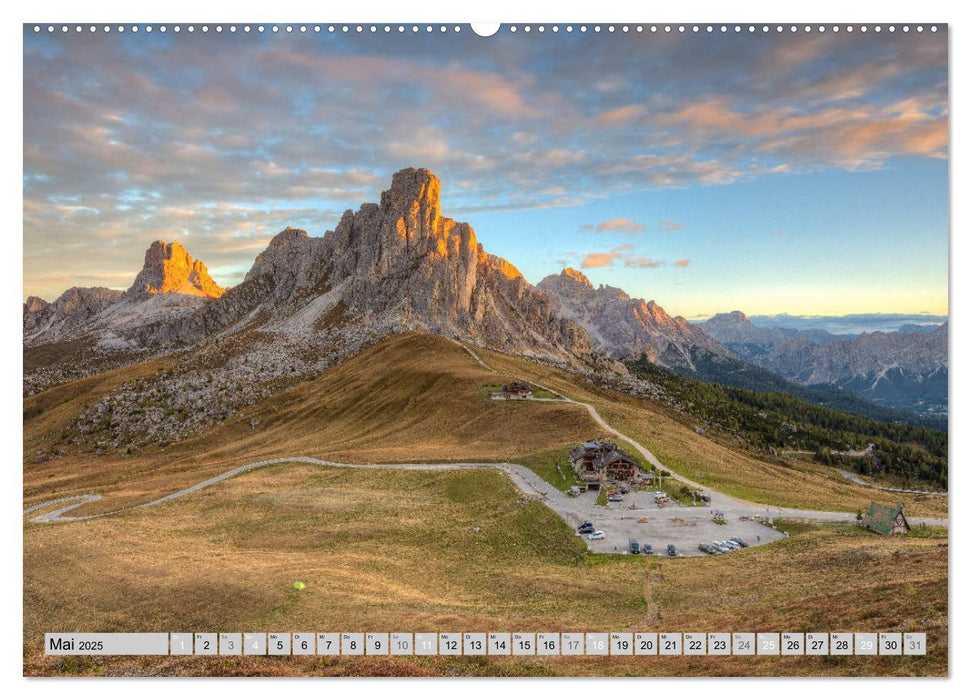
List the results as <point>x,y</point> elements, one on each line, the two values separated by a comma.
<point>412,186</point>
<point>735,317</point>
<point>169,269</point>
<point>576,276</point>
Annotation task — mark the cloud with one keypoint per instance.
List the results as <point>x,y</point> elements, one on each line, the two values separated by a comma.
<point>671,226</point>
<point>643,263</point>
<point>623,255</point>
<point>683,262</point>
<point>621,115</point>
<point>592,260</point>
<point>620,225</point>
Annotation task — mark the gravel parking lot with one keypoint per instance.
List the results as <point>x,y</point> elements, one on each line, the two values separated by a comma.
<point>683,526</point>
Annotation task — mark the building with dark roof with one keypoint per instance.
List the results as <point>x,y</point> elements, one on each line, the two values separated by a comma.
<point>598,461</point>
<point>887,520</point>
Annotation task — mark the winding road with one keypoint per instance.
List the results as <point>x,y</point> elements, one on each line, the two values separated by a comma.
<point>685,526</point>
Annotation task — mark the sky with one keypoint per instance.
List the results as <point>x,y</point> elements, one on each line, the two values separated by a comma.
<point>804,174</point>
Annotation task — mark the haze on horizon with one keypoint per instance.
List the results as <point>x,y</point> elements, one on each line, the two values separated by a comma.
<point>802,174</point>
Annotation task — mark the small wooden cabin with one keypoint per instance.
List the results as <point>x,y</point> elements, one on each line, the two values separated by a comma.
<point>887,520</point>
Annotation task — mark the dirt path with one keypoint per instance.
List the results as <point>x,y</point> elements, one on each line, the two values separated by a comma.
<point>850,476</point>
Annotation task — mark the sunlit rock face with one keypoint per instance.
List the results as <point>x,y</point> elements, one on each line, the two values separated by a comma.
<point>626,328</point>
<point>170,286</point>
<point>169,269</point>
<point>391,266</point>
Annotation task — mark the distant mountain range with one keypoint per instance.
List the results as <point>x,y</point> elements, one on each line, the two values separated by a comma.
<point>399,265</point>
<point>851,324</point>
<point>907,369</point>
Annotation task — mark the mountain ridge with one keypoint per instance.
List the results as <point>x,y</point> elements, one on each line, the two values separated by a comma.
<point>905,370</point>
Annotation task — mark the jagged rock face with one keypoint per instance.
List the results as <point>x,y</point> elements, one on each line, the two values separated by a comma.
<point>169,269</point>
<point>625,328</point>
<point>170,286</point>
<point>67,314</point>
<point>394,266</point>
<point>403,257</point>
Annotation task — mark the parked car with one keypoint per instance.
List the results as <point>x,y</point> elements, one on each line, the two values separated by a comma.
<point>740,541</point>
<point>615,497</point>
<point>597,535</point>
<point>731,545</point>
<point>586,528</point>
<point>706,499</point>
<point>647,549</point>
<point>707,548</point>
<point>624,489</point>
<point>672,551</point>
<point>635,547</point>
<point>720,547</point>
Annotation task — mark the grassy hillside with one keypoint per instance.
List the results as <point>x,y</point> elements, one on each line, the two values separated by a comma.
<point>461,550</point>
<point>723,464</point>
<point>408,399</point>
<point>415,398</point>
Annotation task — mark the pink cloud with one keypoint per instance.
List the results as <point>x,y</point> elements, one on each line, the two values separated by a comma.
<point>619,225</point>
<point>599,259</point>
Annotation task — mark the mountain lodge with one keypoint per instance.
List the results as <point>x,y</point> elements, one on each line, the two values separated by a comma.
<point>596,462</point>
<point>887,520</point>
<point>513,390</point>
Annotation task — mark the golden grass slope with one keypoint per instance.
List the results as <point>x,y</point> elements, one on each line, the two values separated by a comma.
<point>411,398</point>
<point>451,551</point>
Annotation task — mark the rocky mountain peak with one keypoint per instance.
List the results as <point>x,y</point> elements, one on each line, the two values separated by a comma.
<point>34,304</point>
<point>412,187</point>
<point>625,328</point>
<point>169,269</point>
<point>288,236</point>
<point>576,276</point>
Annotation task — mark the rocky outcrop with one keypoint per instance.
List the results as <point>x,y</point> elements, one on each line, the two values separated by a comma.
<point>171,286</point>
<point>393,266</point>
<point>169,269</point>
<point>403,257</point>
<point>626,328</point>
<point>66,316</point>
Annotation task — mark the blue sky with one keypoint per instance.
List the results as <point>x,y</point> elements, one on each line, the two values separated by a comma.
<point>804,174</point>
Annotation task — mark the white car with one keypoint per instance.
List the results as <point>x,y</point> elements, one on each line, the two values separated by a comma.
<point>598,535</point>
